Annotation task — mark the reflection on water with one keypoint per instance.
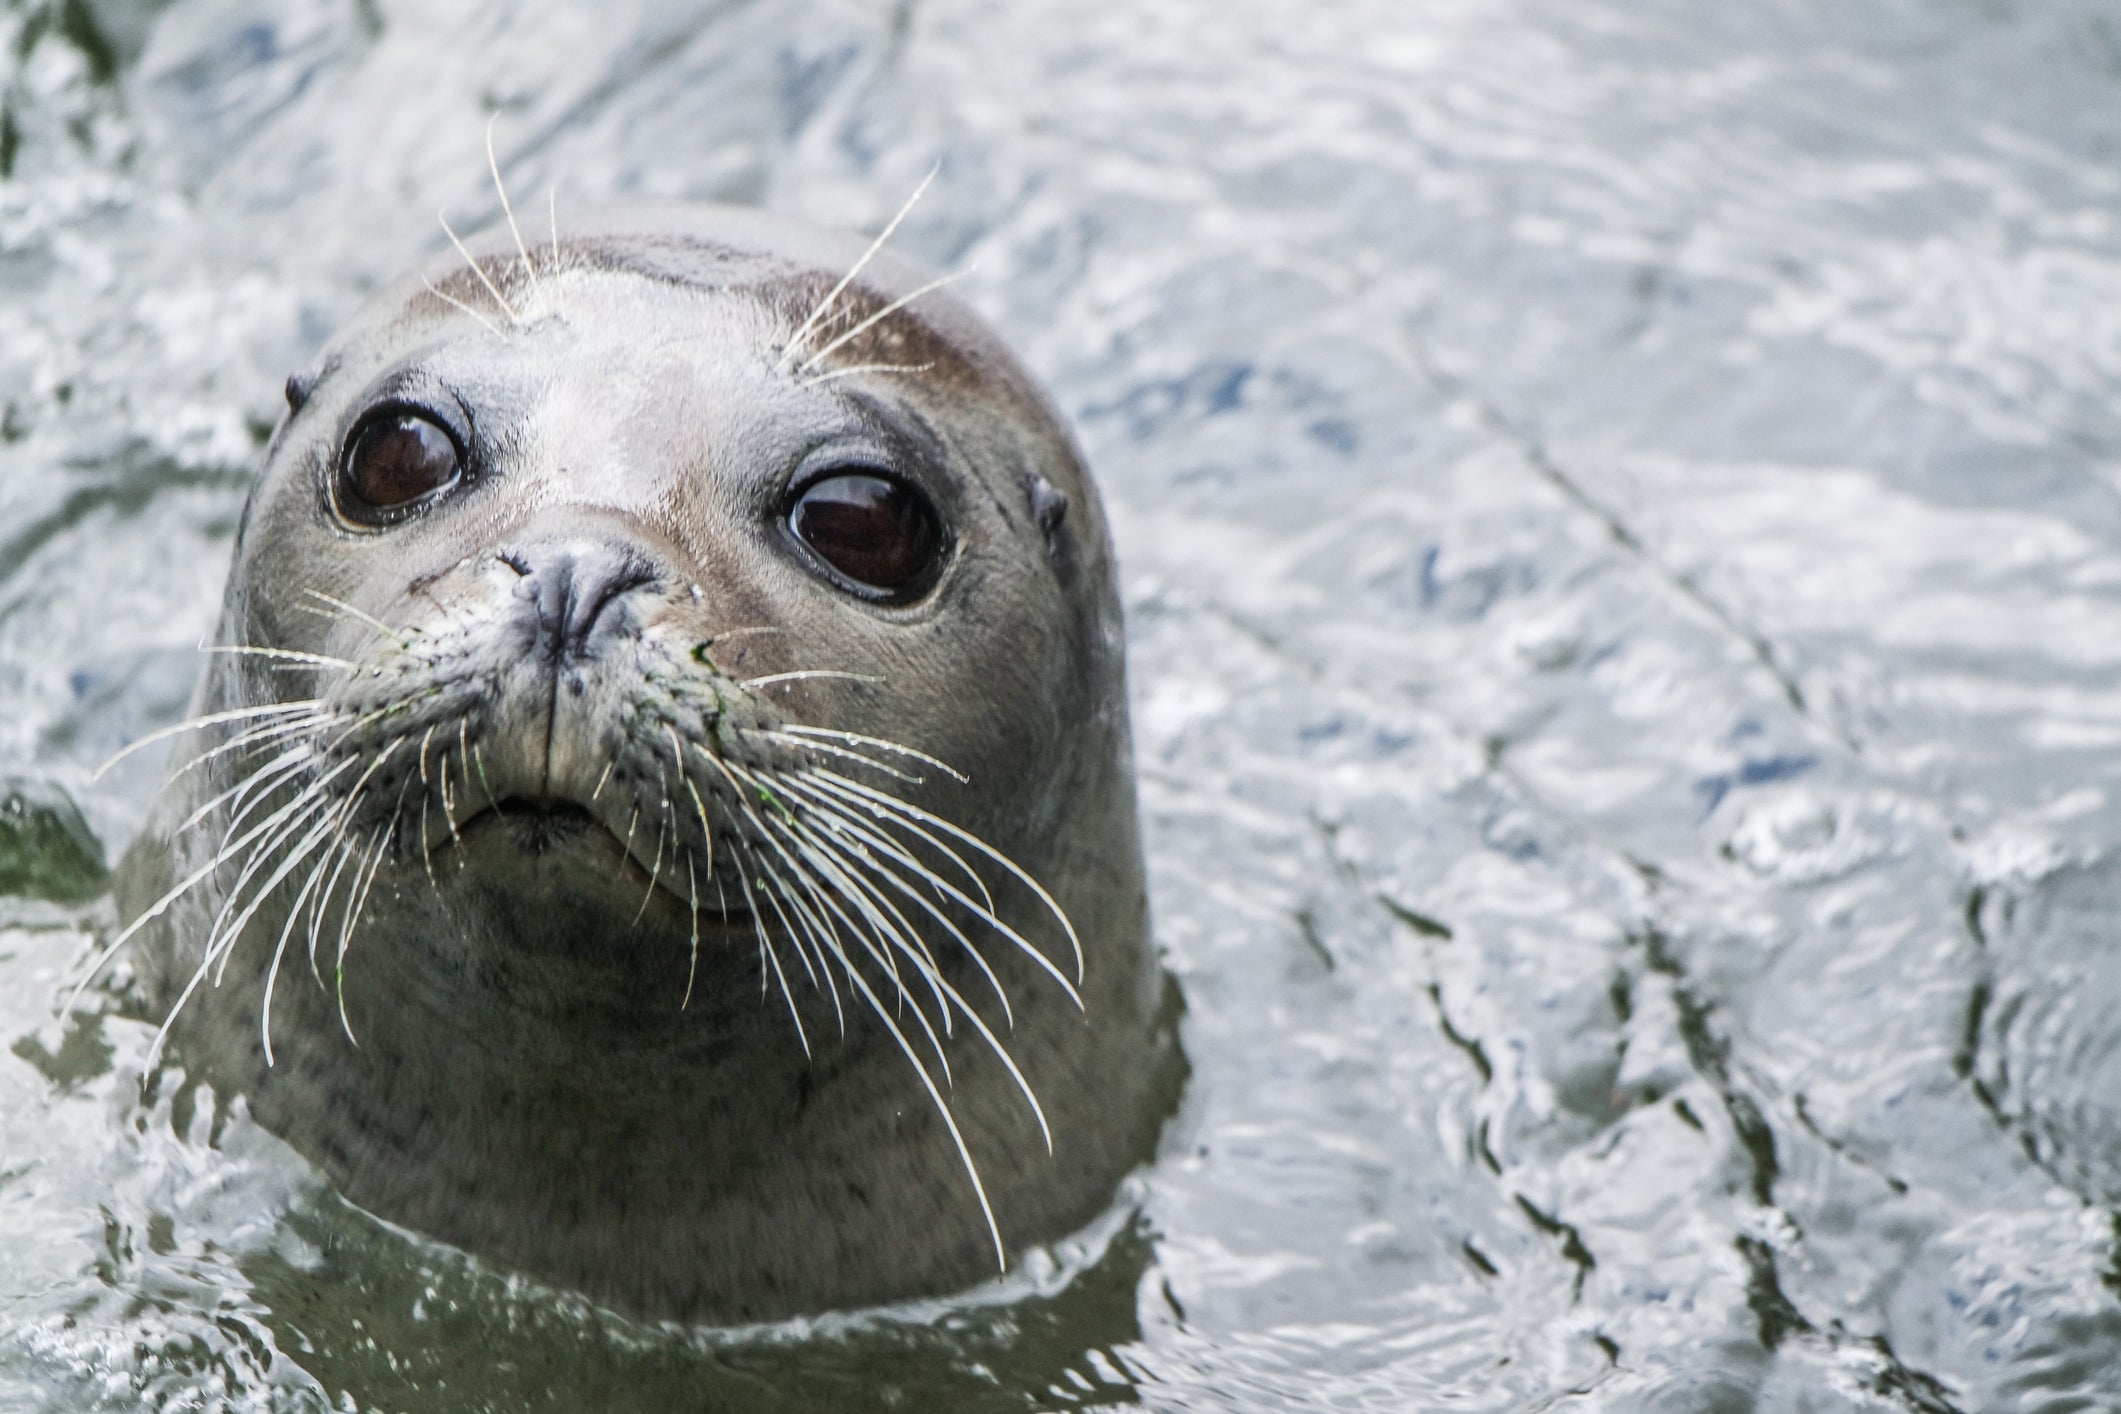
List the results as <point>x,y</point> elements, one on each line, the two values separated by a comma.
<point>1619,512</point>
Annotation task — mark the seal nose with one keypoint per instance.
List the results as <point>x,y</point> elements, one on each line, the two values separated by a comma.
<point>570,585</point>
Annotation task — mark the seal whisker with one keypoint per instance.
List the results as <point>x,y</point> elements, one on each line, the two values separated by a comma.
<point>736,856</point>
<point>942,1108</point>
<point>493,165</point>
<point>281,765</point>
<point>346,610</point>
<point>842,820</point>
<point>787,729</point>
<point>780,978</point>
<point>210,719</point>
<point>885,313</point>
<point>479,270</point>
<point>987,903</point>
<point>356,900</point>
<point>706,830</point>
<point>478,761</point>
<point>208,956</point>
<point>893,803</point>
<point>322,825</point>
<point>979,1023</point>
<point>840,752</point>
<point>346,810</point>
<point>802,955</point>
<point>847,866</point>
<point>321,905</point>
<point>795,340</point>
<point>662,837</point>
<point>294,915</point>
<point>235,911</point>
<point>860,883</point>
<point>356,724</point>
<point>220,938</point>
<point>800,674</point>
<point>162,904</point>
<point>763,872</point>
<point>861,878</point>
<point>824,942</point>
<point>882,957</point>
<point>318,660</point>
<point>986,915</point>
<point>257,737</point>
<point>770,956</point>
<point>427,849</point>
<point>316,793</point>
<point>788,824</point>
<point>692,967</point>
<point>764,868</point>
<point>357,895</point>
<point>397,807</point>
<point>819,973</point>
<point>441,294</point>
<point>449,804</point>
<point>450,798</point>
<point>881,937</point>
<point>881,954</point>
<point>867,368</point>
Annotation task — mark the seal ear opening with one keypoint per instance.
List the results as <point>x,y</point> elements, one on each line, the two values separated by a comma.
<point>1049,508</point>
<point>298,388</point>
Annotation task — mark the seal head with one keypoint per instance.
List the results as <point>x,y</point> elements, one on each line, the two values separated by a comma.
<point>664,818</point>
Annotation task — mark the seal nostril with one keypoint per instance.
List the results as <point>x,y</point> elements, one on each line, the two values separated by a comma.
<point>569,589</point>
<point>598,586</point>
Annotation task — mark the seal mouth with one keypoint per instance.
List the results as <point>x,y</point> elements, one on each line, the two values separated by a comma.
<point>543,823</point>
<point>538,826</point>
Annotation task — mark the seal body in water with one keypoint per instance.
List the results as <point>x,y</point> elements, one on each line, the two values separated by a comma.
<point>662,817</point>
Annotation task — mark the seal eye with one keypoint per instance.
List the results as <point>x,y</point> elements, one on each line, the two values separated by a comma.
<point>876,531</point>
<point>393,461</point>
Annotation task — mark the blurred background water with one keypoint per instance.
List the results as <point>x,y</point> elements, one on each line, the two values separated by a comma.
<point>1618,501</point>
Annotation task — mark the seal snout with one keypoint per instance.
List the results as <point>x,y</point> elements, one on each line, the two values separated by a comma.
<point>570,585</point>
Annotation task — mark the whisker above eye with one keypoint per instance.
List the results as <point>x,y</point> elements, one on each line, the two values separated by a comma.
<point>882,314</point>
<point>792,349</point>
<point>829,375</point>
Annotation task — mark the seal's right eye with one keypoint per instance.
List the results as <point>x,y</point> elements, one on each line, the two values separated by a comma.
<point>394,461</point>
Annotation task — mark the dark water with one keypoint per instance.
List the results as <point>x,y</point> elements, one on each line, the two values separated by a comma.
<point>1619,506</point>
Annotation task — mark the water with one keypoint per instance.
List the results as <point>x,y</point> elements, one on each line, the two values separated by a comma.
<point>1620,520</point>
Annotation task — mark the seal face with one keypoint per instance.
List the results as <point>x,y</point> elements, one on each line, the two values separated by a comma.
<point>663,818</point>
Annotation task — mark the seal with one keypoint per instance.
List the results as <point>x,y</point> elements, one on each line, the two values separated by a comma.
<point>662,816</point>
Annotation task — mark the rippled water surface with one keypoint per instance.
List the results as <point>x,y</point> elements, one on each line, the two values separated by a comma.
<point>1618,504</point>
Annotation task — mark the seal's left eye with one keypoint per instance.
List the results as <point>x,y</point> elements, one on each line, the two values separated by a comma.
<point>393,461</point>
<point>881,535</point>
